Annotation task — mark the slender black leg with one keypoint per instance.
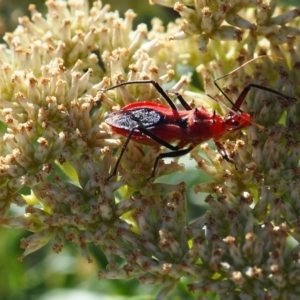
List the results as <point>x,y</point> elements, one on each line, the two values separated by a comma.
<point>182,101</point>
<point>246,89</point>
<point>169,154</point>
<point>114,172</point>
<point>160,91</point>
<point>154,83</point>
<point>223,152</point>
<point>157,139</point>
<point>151,135</point>
<point>240,99</point>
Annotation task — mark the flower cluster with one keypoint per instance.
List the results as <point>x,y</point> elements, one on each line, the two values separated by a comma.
<point>226,20</point>
<point>56,145</point>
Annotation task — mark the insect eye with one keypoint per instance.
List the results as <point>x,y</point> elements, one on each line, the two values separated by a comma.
<point>232,122</point>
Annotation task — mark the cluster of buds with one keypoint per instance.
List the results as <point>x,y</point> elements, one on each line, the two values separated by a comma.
<point>56,144</point>
<point>226,20</point>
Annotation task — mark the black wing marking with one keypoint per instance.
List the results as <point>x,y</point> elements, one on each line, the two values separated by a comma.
<point>129,119</point>
<point>143,117</point>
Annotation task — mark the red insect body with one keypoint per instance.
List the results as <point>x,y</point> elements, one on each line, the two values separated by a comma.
<point>188,127</point>
<point>152,124</point>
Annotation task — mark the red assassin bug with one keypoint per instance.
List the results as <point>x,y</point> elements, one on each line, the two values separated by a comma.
<point>153,124</point>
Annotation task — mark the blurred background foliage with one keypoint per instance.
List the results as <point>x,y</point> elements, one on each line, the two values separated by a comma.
<point>45,275</point>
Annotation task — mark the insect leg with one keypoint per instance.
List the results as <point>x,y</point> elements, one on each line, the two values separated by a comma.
<point>241,97</point>
<point>246,89</point>
<point>223,152</point>
<point>148,133</point>
<point>114,172</point>
<point>169,154</point>
<point>157,139</point>
<point>182,101</point>
<point>154,83</point>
